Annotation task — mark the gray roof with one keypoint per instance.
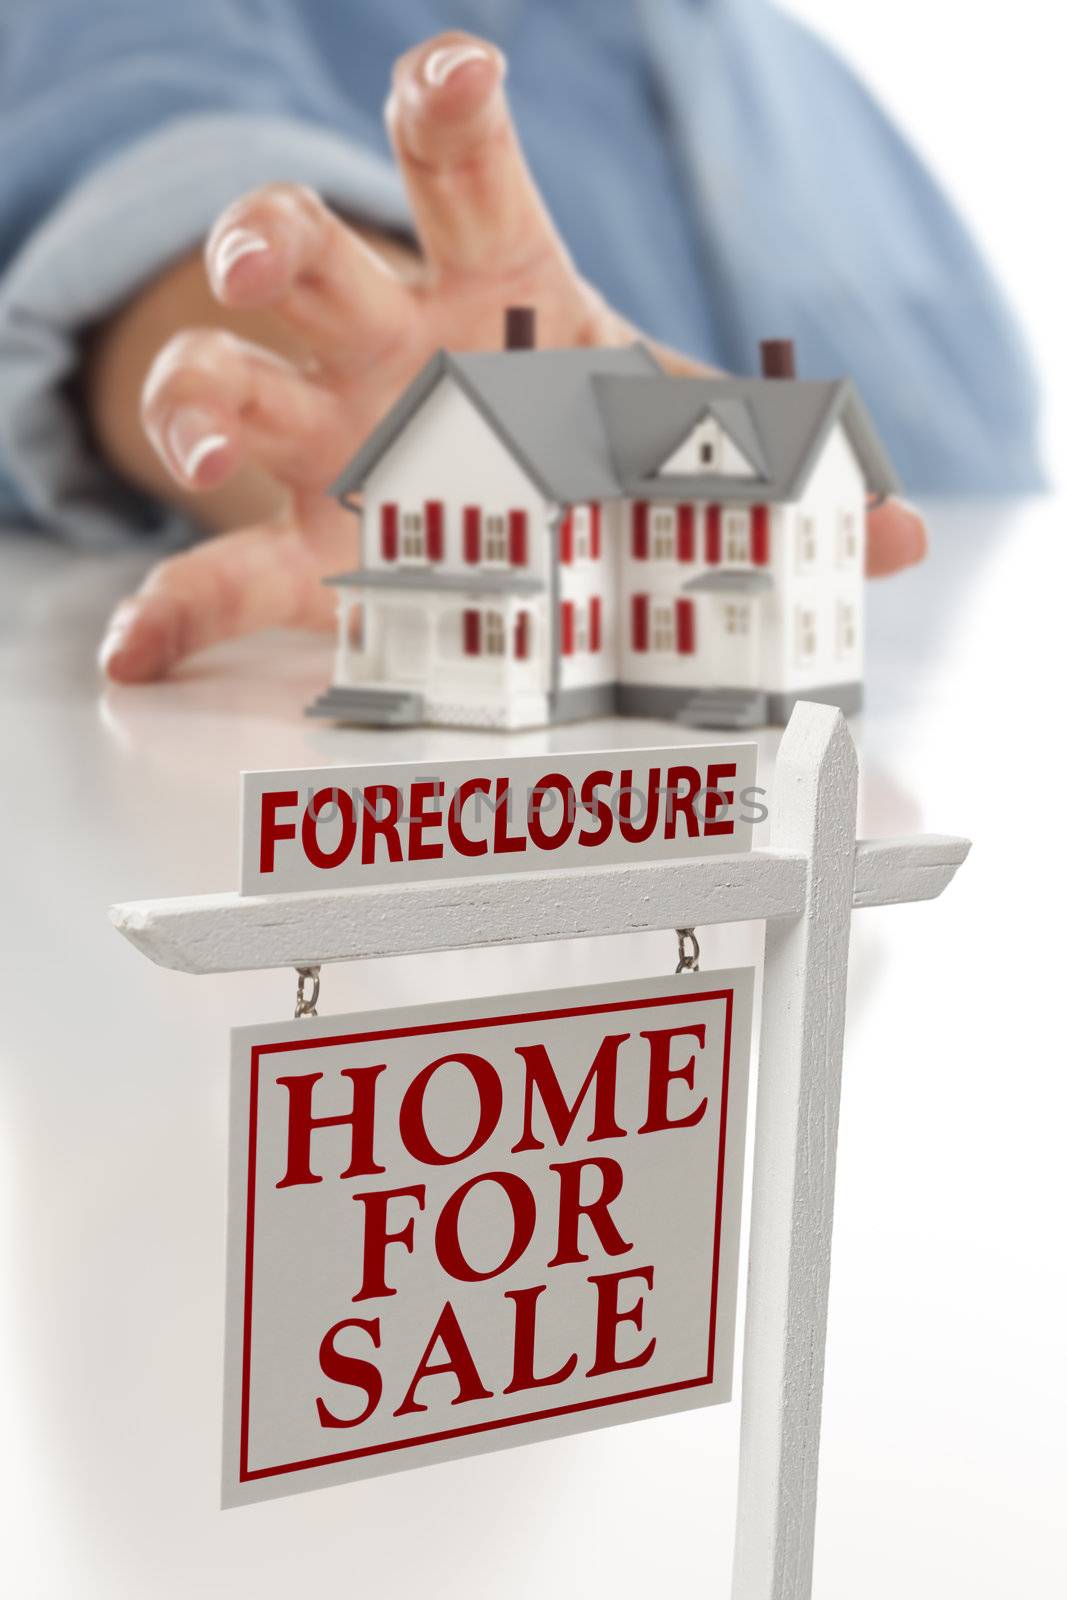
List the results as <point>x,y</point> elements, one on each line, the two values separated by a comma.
<point>595,424</point>
<point>730,580</point>
<point>480,580</point>
<point>780,424</point>
<point>540,402</point>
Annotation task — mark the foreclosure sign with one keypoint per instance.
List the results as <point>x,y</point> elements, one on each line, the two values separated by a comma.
<point>461,1227</point>
<point>339,827</point>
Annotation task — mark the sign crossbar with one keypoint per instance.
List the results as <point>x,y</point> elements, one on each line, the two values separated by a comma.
<point>215,933</point>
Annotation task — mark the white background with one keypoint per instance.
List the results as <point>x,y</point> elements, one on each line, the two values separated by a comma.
<point>943,1456</point>
<point>942,1470</point>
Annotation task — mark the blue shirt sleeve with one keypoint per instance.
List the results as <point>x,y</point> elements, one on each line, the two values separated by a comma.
<point>125,129</point>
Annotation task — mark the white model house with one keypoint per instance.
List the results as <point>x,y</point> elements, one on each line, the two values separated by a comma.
<point>552,534</point>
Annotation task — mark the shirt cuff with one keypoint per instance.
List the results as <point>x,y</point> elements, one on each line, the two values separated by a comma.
<point>153,202</point>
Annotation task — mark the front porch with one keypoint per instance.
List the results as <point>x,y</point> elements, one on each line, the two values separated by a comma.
<point>466,652</point>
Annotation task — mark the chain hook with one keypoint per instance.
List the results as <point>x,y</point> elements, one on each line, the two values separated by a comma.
<point>688,958</point>
<point>305,1002</point>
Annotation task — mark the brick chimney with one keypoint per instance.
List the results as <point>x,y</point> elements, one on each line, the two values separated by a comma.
<point>777,358</point>
<point>520,328</point>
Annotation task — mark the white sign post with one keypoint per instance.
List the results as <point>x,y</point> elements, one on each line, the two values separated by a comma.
<point>805,884</point>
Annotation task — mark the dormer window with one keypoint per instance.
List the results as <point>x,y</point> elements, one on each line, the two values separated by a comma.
<point>709,449</point>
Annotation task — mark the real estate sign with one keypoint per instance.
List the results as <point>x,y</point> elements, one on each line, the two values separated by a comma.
<point>343,827</point>
<point>464,1226</point>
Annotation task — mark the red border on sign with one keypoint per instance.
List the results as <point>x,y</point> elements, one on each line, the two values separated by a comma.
<point>247,1474</point>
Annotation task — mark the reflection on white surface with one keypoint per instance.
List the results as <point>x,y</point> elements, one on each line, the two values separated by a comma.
<point>942,1448</point>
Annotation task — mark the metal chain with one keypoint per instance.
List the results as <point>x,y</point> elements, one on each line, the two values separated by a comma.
<point>306,1003</point>
<point>688,960</point>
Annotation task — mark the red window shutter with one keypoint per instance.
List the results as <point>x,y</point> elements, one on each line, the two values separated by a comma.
<point>566,627</point>
<point>686,626</point>
<point>517,538</point>
<point>713,535</point>
<point>761,535</point>
<point>472,633</point>
<point>390,524</point>
<point>566,537</point>
<point>640,526</point>
<point>594,531</point>
<point>522,635</point>
<point>435,530</point>
<point>686,540</point>
<point>639,621</point>
<point>472,535</point>
<point>594,623</point>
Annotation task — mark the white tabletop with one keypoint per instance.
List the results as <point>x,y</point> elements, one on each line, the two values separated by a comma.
<point>945,1414</point>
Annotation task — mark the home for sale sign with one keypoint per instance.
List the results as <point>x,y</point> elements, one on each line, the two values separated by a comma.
<point>471,1225</point>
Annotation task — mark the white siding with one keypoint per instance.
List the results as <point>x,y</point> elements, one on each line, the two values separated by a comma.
<point>580,580</point>
<point>663,580</point>
<point>817,586</point>
<point>449,452</point>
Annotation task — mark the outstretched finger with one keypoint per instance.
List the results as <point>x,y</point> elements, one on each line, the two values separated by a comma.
<point>268,576</point>
<point>282,247</point>
<point>475,203</point>
<point>211,401</point>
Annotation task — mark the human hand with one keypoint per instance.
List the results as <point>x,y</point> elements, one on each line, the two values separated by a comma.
<point>358,328</point>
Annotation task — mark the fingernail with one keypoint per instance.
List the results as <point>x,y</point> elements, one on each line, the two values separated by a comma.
<point>192,436</point>
<point>234,245</point>
<point>441,64</point>
<point>113,643</point>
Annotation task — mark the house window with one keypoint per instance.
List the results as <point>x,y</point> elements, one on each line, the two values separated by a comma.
<point>735,536</point>
<point>848,543</point>
<point>662,535</point>
<point>495,542</point>
<point>580,628</point>
<point>412,536</point>
<point>806,641</point>
<point>581,533</point>
<point>493,636</point>
<point>846,628</point>
<point>806,542</point>
<point>707,453</point>
<point>353,630</point>
<point>736,618</point>
<point>663,625</point>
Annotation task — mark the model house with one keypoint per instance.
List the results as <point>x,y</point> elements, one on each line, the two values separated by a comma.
<point>553,534</point>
